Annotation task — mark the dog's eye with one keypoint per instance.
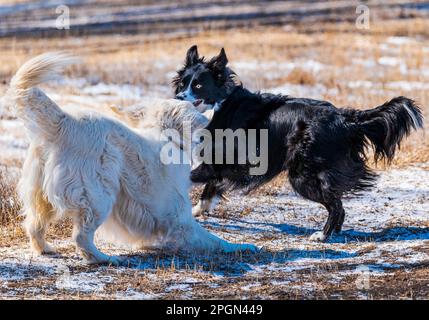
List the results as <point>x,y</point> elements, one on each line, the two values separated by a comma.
<point>181,84</point>
<point>198,86</point>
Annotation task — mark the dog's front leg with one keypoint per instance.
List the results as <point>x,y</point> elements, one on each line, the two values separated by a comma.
<point>196,238</point>
<point>208,199</point>
<point>206,174</point>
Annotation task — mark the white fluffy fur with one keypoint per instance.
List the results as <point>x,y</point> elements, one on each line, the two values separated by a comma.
<point>100,172</point>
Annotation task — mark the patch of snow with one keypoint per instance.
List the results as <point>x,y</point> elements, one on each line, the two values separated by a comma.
<point>360,84</point>
<point>10,141</point>
<point>368,63</point>
<point>77,83</point>
<point>124,91</point>
<point>400,40</point>
<point>393,62</point>
<point>180,287</point>
<point>11,124</point>
<point>389,61</point>
<point>407,85</point>
<point>132,294</point>
<point>316,92</point>
<point>250,286</point>
<point>308,287</point>
<point>82,282</point>
<point>280,283</point>
<point>190,280</point>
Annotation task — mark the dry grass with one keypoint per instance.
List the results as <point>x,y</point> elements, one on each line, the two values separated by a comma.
<point>9,203</point>
<point>302,77</point>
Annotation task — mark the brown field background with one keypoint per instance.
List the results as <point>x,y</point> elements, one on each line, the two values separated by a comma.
<point>144,59</point>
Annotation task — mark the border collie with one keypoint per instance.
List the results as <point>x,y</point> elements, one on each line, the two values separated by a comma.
<point>100,172</point>
<point>323,148</point>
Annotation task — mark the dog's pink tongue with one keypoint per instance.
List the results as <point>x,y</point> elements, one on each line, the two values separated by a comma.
<point>197,102</point>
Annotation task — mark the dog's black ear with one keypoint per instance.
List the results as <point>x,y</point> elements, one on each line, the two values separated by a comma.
<point>219,62</point>
<point>192,56</point>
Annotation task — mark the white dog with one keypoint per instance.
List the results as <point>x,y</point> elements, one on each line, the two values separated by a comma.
<point>101,172</point>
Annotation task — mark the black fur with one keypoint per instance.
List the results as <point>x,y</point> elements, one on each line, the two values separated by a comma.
<point>322,147</point>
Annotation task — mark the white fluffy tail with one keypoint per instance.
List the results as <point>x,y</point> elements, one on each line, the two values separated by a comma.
<point>40,69</point>
<point>41,114</point>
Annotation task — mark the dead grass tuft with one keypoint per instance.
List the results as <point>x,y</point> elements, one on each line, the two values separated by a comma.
<point>301,77</point>
<point>9,203</point>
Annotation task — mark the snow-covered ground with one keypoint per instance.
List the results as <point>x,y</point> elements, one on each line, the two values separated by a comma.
<point>386,230</point>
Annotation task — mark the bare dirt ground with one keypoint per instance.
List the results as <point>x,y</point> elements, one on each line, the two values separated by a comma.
<point>383,252</point>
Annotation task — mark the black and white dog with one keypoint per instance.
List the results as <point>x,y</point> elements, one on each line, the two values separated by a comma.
<point>322,147</point>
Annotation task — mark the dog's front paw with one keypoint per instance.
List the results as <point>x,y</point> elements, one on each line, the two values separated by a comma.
<point>249,248</point>
<point>104,260</point>
<point>116,261</point>
<point>111,261</point>
<point>42,249</point>
<point>318,236</point>
<point>201,207</point>
<point>48,249</point>
<point>230,247</point>
<point>197,211</point>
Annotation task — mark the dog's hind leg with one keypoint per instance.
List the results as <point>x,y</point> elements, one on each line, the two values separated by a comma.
<point>37,209</point>
<point>340,221</point>
<point>317,189</point>
<point>39,214</point>
<point>334,222</point>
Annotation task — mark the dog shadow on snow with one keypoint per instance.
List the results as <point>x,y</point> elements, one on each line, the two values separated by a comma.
<point>224,264</point>
<point>231,264</point>
<point>398,233</point>
<point>239,263</point>
<point>235,264</point>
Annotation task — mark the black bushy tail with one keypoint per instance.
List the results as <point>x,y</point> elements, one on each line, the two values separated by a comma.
<point>386,125</point>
